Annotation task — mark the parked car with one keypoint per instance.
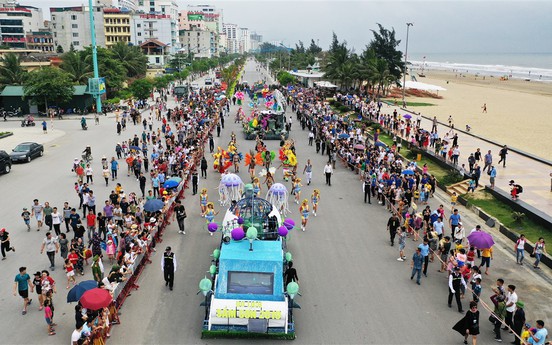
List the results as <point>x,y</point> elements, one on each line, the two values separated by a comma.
<point>208,81</point>
<point>25,152</point>
<point>5,162</point>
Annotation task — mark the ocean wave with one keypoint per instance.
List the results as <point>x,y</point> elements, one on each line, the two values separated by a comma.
<point>516,72</point>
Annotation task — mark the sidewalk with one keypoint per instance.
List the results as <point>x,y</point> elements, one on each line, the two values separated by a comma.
<point>533,175</point>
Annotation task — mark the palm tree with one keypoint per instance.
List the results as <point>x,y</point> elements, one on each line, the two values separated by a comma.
<point>382,74</point>
<point>78,66</point>
<point>11,72</point>
<point>134,61</point>
<point>335,60</point>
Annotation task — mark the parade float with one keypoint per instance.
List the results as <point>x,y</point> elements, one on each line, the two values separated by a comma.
<point>267,119</point>
<point>245,296</point>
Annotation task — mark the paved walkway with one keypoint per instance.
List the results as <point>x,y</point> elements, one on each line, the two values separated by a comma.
<point>533,175</point>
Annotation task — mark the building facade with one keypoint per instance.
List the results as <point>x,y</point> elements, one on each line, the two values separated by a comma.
<point>71,26</point>
<point>116,26</point>
<point>199,43</point>
<point>42,40</point>
<point>151,26</point>
<point>231,32</point>
<point>167,8</point>
<point>16,21</point>
<point>243,40</point>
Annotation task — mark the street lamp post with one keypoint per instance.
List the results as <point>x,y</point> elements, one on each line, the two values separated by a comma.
<point>94,55</point>
<point>408,25</point>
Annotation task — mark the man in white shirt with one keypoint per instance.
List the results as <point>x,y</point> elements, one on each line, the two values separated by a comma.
<point>511,299</point>
<point>328,171</point>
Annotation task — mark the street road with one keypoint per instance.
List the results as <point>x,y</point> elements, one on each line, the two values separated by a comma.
<point>353,288</point>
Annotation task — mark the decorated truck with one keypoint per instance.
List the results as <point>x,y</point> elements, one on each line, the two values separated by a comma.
<point>245,294</point>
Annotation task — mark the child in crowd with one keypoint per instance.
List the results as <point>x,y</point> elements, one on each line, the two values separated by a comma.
<point>477,290</point>
<point>471,256</point>
<point>70,270</point>
<point>48,316</point>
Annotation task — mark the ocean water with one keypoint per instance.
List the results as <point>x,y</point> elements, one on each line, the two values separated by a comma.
<point>535,66</point>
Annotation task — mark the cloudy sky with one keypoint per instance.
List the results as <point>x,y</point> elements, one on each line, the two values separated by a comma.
<point>484,27</point>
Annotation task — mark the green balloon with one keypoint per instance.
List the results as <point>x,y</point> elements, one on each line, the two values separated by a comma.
<point>248,186</point>
<point>251,233</point>
<point>216,254</point>
<point>213,269</point>
<point>205,284</point>
<point>289,257</point>
<point>292,288</point>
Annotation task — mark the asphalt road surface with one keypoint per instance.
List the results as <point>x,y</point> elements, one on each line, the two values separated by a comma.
<point>353,289</point>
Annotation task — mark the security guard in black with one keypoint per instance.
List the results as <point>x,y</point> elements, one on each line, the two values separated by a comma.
<point>168,265</point>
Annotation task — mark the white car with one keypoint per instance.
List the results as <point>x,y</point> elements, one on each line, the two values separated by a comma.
<point>208,81</point>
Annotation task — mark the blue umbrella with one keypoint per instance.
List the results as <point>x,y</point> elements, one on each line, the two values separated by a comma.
<point>379,143</point>
<point>170,184</point>
<point>344,136</point>
<point>78,290</point>
<point>407,172</point>
<point>137,148</point>
<point>153,205</point>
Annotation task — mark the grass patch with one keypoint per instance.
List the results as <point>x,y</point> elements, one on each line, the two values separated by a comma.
<point>4,133</point>
<point>491,205</point>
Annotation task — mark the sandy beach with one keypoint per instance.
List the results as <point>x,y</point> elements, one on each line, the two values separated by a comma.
<point>519,113</point>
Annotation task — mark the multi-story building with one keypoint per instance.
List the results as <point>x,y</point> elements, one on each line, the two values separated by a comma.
<point>199,43</point>
<point>71,26</point>
<point>151,26</point>
<point>116,26</point>
<point>167,8</point>
<point>209,14</point>
<point>231,32</point>
<point>243,40</point>
<point>256,41</point>
<point>16,20</point>
<point>40,40</point>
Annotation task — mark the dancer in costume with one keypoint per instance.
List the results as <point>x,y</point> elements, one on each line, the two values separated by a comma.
<point>304,211</point>
<point>256,186</point>
<point>203,200</point>
<point>297,189</point>
<point>210,214</point>
<point>315,198</point>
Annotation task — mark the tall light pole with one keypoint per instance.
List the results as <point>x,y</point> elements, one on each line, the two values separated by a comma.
<point>95,56</point>
<point>408,25</point>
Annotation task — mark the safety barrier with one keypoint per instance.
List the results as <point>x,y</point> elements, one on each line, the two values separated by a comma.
<point>123,289</point>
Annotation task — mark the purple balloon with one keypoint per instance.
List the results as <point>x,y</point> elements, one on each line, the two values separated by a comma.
<point>238,234</point>
<point>240,220</point>
<point>282,231</point>
<point>212,227</point>
<point>289,223</point>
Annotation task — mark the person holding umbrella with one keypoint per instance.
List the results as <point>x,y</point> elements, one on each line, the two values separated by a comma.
<point>168,266</point>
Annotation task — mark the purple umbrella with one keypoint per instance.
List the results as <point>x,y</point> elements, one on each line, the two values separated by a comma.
<point>481,239</point>
<point>407,116</point>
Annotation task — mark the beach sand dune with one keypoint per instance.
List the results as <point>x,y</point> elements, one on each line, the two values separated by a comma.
<point>519,113</point>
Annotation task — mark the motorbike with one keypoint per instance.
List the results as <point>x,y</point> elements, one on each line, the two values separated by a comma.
<point>87,158</point>
<point>83,124</point>
<point>27,122</point>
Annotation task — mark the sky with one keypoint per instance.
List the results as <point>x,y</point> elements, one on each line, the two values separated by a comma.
<point>445,26</point>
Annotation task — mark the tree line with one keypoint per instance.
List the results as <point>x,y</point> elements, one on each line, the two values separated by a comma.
<point>123,67</point>
<point>379,66</point>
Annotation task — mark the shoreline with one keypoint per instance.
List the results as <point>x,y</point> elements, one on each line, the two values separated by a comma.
<point>519,113</point>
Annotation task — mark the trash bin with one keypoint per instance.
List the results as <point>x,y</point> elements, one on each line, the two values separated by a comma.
<point>418,157</point>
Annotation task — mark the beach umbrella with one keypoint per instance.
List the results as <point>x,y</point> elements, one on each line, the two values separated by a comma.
<point>344,136</point>
<point>407,172</point>
<point>96,299</point>
<point>153,205</point>
<point>407,116</point>
<point>78,290</point>
<point>481,239</point>
<point>170,184</point>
